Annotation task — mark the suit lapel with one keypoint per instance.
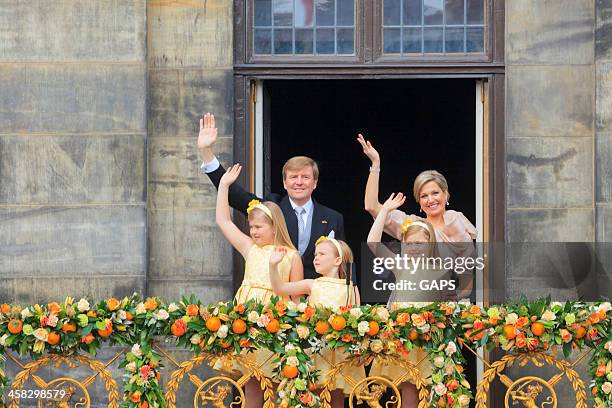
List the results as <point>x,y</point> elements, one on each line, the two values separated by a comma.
<point>317,228</point>
<point>290,219</point>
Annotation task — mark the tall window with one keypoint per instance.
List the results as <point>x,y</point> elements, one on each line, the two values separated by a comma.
<point>433,27</point>
<point>304,27</point>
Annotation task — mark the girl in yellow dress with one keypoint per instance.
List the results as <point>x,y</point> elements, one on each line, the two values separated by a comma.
<point>332,260</point>
<point>267,230</point>
<point>418,238</point>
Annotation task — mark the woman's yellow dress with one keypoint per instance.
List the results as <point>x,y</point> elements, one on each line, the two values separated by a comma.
<point>256,285</point>
<point>333,292</point>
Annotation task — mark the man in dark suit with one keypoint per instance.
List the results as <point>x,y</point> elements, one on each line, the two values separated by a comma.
<point>306,219</point>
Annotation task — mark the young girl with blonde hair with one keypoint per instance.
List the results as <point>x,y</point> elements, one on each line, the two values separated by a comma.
<point>418,240</point>
<point>267,231</point>
<point>333,260</point>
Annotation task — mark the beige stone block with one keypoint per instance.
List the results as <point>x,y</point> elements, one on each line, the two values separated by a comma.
<point>550,225</point>
<point>603,113</point>
<point>65,30</point>
<point>194,33</point>
<point>208,291</point>
<point>550,101</point>
<point>72,169</point>
<point>549,32</point>
<point>550,172</point>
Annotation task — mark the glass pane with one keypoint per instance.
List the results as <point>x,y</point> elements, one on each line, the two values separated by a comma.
<point>475,39</point>
<point>283,41</point>
<point>346,39</point>
<point>432,39</point>
<point>412,40</point>
<point>346,13</point>
<point>263,13</point>
<point>325,41</point>
<point>263,41</point>
<point>432,12</point>
<point>454,40</point>
<point>304,41</point>
<point>392,40</point>
<point>325,12</point>
<point>453,10</point>
<point>475,11</point>
<point>412,12</point>
<point>391,12</point>
<point>304,13</point>
<point>283,13</point>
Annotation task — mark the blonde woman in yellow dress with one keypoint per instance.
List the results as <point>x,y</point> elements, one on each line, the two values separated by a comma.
<point>332,261</point>
<point>418,240</point>
<point>267,230</point>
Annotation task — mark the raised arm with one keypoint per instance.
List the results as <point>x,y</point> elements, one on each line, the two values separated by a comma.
<point>280,287</point>
<point>240,241</point>
<point>374,236</point>
<point>372,205</point>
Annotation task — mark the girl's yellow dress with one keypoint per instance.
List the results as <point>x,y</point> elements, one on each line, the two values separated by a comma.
<point>333,292</point>
<point>256,285</point>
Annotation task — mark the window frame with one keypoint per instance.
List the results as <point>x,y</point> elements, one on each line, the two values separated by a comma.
<point>368,41</point>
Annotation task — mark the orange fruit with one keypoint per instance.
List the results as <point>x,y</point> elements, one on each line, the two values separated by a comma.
<point>273,326</point>
<point>290,371</point>
<point>143,404</point>
<point>213,323</point>
<point>537,329</point>
<point>88,339</point>
<point>321,327</point>
<point>374,328</point>
<point>239,326</point>
<point>580,332</point>
<point>91,313</point>
<point>509,331</point>
<point>413,335</point>
<point>178,328</point>
<point>15,326</point>
<point>105,332</point>
<point>69,327</point>
<point>128,316</point>
<point>224,344</point>
<point>338,323</point>
<point>5,308</point>
<point>53,338</point>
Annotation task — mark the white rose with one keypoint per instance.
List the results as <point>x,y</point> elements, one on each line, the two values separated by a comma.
<point>363,328</point>
<point>173,307</point>
<point>549,315</point>
<point>440,389</point>
<point>136,350</point>
<point>293,361</point>
<point>463,400</point>
<point>451,349</point>
<point>556,304</point>
<point>122,315</point>
<point>222,332</point>
<point>195,339</point>
<point>83,305</point>
<point>439,361</point>
<point>140,308</point>
<point>383,313</point>
<point>425,328</point>
<point>3,339</point>
<point>289,347</point>
<point>511,318</point>
<point>253,316</point>
<point>608,346</point>
<point>356,312</point>
<point>131,367</point>
<point>25,313</point>
<point>162,315</point>
<point>302,331</point>
<point>282,394</point>
<point>302,306</point>
<point>606,387</point>
<point>41,334</point>
<point>605,307</point>
<point>291,305</point>
<point>465,302</point>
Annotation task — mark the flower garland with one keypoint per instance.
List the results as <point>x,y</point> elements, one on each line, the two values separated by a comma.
<point>294,331</point>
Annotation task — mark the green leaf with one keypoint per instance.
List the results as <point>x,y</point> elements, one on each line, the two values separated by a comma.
<point>87,329</point>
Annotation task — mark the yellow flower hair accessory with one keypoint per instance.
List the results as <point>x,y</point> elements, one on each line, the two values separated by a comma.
<point>333,241</point>
<point>408,223</point>
<point>257,204</point>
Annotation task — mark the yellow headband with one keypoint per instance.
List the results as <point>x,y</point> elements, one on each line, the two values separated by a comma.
<point>408,223</point>
<point>257,204</point>
<point>333,241</point>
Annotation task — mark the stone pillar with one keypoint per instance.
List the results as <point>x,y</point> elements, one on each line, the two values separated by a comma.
<point>72,149</point>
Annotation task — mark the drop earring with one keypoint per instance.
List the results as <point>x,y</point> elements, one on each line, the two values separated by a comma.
<point>421,209</point>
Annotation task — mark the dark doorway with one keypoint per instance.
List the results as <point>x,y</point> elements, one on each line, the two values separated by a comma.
<point>415,124</point>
